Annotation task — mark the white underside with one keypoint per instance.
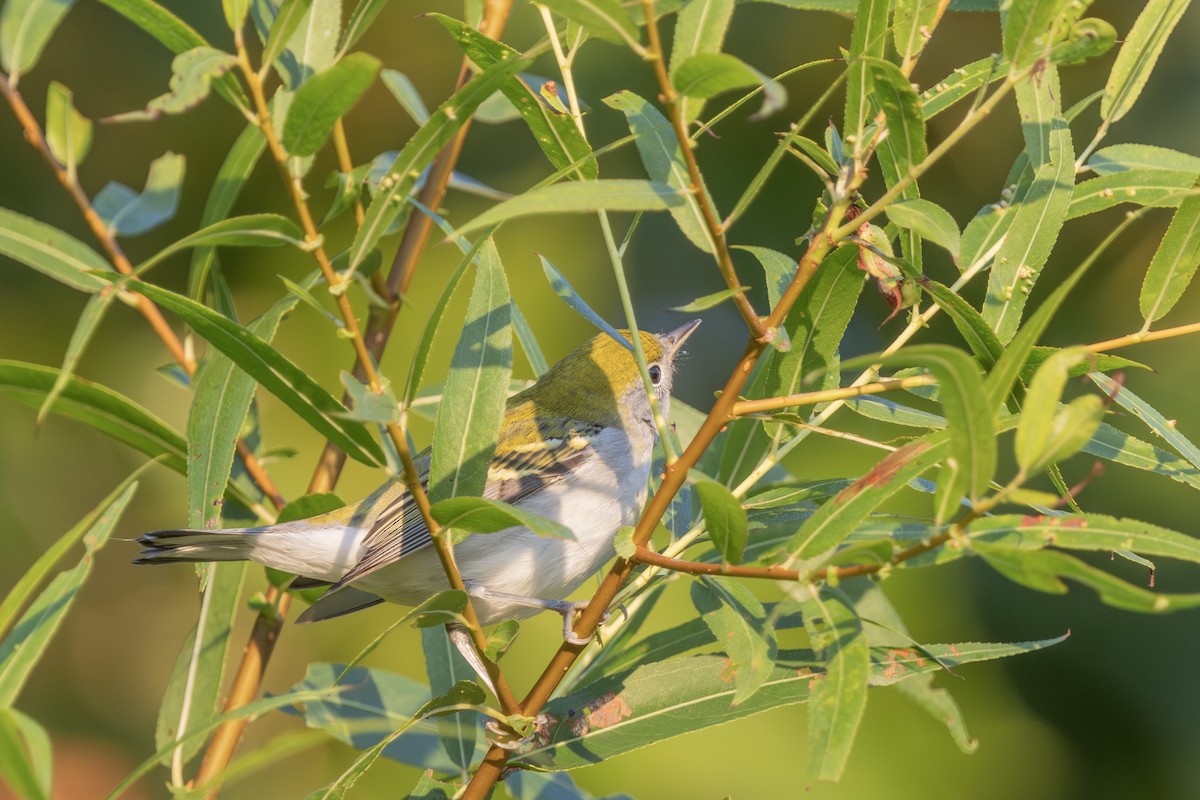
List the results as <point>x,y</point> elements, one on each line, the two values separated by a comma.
<point>513,561</point>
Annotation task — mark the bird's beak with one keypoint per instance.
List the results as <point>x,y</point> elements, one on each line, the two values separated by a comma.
<point>674,339</point>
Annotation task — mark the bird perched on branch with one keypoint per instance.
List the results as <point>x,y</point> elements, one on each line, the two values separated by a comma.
<point>575,447</point>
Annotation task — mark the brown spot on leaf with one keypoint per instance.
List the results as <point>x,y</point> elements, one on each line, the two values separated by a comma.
<point>882,473</point>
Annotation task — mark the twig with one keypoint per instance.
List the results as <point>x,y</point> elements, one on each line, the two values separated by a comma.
<point>744,407</point>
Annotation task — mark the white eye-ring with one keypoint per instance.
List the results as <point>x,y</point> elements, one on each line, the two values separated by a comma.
<point>656,375</point>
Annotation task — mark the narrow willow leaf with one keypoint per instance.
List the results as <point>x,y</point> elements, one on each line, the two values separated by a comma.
<point>252,230</point>
<point>970,324</point>
<point>68,133</point>
<point>192,75</point>
<point>172,32</point>
<point>607,19</point>
<point>51,252</point>
<point>1029,30</point>
<point>1041,408</point>
<point>1175,261</point>
<point>283,26</point>
<point>126,213</point>
<point>1143,187</point>
<point>529,343</point>
<point>446,667</point>
<point>1149,415</point>
<point>323,99</point>
<point>725,518</point>
<point>835,519</point>
<point>709,300</point>
<point>276,373</point>
<point>1043,571</point>
<point>649,704</point>
<point>360,21</point>
<point>709,74</point>
<point>25,28</point>
<point>429,335</point>
<point>928,220</point>
<point>23,647</point>
<point>868,39</point>
<point>1039,215</point>
<point>738,622</point>
<point>779,269</point>
<point>1095,362</point>
<point>231,177</point>
<point>912,23</point>
<point>480,515</point>
<point>1122,448</point>
<point>235,13</point>
<point>472,408</point>
<point>1120,157</point>
<point>389,204</point>
<point>885,410</point>
<point>579,197</point>
<point>404,91</point>
<point>894,95</point>
<point>566,291</point>
<point>89,320</point>
<point>815,326</point>
<point>664,163</point>
<point>1138,55</point>
<point>1086,532</point>
<point>699,28</point>
<point>554,130</point>
<point>964,82</point>
<point>25,757</point>
<point>312,47</point>
<point>839,697</point>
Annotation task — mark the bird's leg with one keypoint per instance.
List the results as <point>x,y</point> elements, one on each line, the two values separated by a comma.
<point>568,609</point>
<point>461,638</point>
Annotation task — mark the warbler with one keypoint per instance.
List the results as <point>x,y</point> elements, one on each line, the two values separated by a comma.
<point>575,447</point>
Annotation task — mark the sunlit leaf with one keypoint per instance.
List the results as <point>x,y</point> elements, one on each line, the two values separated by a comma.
<point>738,623</point>
<point>480,515</point>
<point>606,19</point>
<point>725,518</point>
<point>1175,261</point>
<point>323,98</point>
<point>1120,157</point>
<point>868,39</point>
<point>1143,187</point>
<point>51,252</point>
<point>928,220</point>
<point>68,133</point>
<point>25,757</point>
<point>193,74</point>
<point>25,28</point>
<point>1138,55</point>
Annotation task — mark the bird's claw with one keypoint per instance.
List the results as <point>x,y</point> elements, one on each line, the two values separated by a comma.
<point>569,612</point>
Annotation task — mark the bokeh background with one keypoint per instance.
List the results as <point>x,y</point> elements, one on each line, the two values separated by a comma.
<point>1113,712</point>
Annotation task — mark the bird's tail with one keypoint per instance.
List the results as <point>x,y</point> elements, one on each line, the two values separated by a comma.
<point>164,547</point>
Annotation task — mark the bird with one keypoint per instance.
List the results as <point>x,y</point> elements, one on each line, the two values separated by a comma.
<point>575,447</point>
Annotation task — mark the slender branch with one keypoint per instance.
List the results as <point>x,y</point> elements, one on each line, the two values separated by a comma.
<point>1140,337</point>
<point>744,407</point>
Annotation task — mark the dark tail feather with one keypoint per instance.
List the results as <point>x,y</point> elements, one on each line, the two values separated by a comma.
<point>163,547</point>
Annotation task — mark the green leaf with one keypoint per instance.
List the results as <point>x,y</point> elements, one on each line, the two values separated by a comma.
<point>284,25</point>
<point>25,757</point>
<point>389,204</point>
<point>779,269</point>
<point>839,698</point>
<point>868,39</point>
<point>1143,187</point>
<point>1135,405</point>
<point>127,213</point>
<point>894,95</point>
<point>738,623</point>
<point>929,221</point>
<point>89,320</point>
<point>1087,532</point>
<point>700,27</point>
<point>24,645</point>
<point>971,325</point>
<point>1175,261</point>
<point>606,19</point>
<point>1043,571</point>
<point>663,160</point>
<point>68,133</point>
<point>725,518</point>
<point>963,82</point>
<point>886,410</point>
<point>25,28</point>
<point>230,179</point>
<point>446,668</point>
<point>555,131</point>
<point>481,515</point>
<point>1046,432</point>
<point>322,99</point>
<point>1120,157</point>
<point>1095,362</point>
<point>361,18</point>
<point>430,334</point>
<point>1138,55</point>
<point>1030,28</point>
<point>276,373</point>
<point>235,13</point>
<point>579,197</point>
<point>709,74</point>
<point>312,46</point>
<point>472,408</point>
<point>404,91</point>
<point>566,291</point>
<point>252,230</point>
<point>630,710</point>
<point>709,300</point>
<point>912,23</point>
<point>1122,448</point>
<point>192,76</point>
<point>1040,213</point>
<point>51,252</point>
<point>168,29</point>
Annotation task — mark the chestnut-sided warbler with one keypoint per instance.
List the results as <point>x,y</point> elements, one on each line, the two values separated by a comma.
<point>574,447</point>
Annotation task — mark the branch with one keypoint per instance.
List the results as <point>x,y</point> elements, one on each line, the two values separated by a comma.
<point>744,407</point>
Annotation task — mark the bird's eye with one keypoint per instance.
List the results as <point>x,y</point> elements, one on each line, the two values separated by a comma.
<point>656,375</point>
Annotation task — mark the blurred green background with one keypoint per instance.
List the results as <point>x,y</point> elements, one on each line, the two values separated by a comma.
<point>1112,712</point>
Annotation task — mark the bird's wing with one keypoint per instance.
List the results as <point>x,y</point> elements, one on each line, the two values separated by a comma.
<point>516,472</point>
